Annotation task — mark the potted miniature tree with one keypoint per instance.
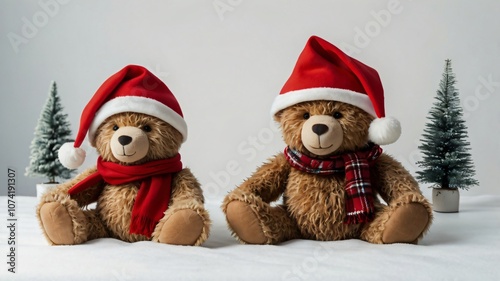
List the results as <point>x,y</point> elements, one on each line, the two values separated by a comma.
<point>446,162</point>
<point>51,132</point>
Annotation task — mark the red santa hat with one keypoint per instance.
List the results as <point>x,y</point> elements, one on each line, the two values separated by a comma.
<point>132,89</point>
<point>324,72</point>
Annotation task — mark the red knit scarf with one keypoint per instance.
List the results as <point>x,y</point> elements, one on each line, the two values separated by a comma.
<point>154,193</point>
<point>356,165</point>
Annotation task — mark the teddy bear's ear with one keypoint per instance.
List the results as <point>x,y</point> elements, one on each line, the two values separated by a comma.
<point>277,116</point>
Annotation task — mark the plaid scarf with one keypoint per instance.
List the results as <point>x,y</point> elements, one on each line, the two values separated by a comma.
<point>356,165</point>
<point>154,193</point>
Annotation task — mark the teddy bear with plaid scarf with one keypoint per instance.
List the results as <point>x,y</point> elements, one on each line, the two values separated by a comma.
<point>334,180</point>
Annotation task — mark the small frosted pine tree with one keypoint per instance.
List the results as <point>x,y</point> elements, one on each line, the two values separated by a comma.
<point>446,160</point>
<point>51,132</point>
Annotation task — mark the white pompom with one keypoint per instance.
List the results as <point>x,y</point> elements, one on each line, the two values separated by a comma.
<point>384,130</point>
<point>70,156</point>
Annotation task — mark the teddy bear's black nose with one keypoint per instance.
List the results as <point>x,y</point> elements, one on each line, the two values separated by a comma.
<point>319,129</point>
<point>124,140</point>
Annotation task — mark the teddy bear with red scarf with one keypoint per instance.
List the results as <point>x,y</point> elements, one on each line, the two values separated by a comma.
<point>141,190</point>
<point>333,171</point>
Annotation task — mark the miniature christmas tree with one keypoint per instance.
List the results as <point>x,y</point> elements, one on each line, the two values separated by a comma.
<point>446,160</point>
<point>52,131</point>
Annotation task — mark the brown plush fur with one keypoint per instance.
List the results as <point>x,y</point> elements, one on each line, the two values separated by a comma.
<point>66,220</point>
<point>313,205</point>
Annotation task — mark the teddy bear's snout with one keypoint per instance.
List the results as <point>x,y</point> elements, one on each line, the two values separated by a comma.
<point>129,144</point>
<point>124,140</point>
<point>321,134</point>
<point>319,129</point>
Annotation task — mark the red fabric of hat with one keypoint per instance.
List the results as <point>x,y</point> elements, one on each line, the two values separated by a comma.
<point>324,72</point>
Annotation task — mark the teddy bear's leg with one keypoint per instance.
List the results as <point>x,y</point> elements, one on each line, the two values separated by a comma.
<point>254,221</point>
<point>63,222</point>
<point>61,218</point>
<point>245,223</point>
<point>404,221</point>
<point>186,223</point>
<point>95,226</point>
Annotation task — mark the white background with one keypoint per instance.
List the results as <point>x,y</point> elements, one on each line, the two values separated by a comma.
<point>226,61</point>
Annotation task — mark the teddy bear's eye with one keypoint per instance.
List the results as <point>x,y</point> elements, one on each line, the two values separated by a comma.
<point>115,128</point>
<point>146,128</point>
<point>306,115</point>
<point>337,115</point>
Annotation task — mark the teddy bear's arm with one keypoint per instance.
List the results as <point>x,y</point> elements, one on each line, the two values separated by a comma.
<point>83,198</point>
<point>392,180</point>
<point>186,187</point>
<point>269,181</point>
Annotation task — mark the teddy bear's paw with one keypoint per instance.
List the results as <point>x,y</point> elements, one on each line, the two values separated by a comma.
<point>57,224</point>
<point>184,227</point>
<point>406,224</point>
<point>245,223</point>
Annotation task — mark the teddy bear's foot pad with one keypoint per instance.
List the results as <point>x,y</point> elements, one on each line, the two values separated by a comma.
<point>406,224</point>
<point>244,223</point>
<point>57,223</point>
<point>183,227</point>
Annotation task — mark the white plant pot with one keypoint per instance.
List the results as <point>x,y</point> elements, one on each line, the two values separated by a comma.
<point>445,200</point>
<point>41,188</point>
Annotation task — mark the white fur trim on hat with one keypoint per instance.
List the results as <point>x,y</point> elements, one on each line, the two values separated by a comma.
<point>384,130</point>
<point>70,156</point>
<point>140,105</point>
<point>311,94</point>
